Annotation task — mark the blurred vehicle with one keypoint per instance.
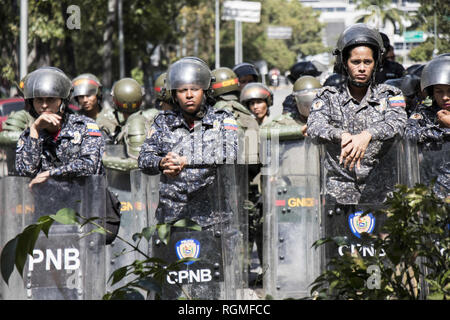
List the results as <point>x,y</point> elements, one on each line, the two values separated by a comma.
<point>9,105</point>
<point>274,77</point>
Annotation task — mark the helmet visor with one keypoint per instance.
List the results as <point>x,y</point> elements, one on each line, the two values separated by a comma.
<point>304,99</point>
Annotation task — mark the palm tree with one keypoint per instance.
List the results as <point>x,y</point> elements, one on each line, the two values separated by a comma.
<point>382,11</point>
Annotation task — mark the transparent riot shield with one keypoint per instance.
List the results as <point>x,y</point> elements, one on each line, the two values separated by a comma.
<point>219,246</point>
<point>66,265</point>
<point>126,184</point>
<point>430,166</point>
<point>291,216</point>
<point>434,167</point>
<point>346,195</point>
<point>7,159</point>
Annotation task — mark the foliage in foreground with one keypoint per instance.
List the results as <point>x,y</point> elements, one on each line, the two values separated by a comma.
<point>411,258</point>
<point>147,274</point>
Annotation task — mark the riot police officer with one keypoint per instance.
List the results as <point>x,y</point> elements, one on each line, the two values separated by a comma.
<point>358,119</point>
<point>246,73</point>
<point>87,91</point>
<point>299,69</point>
<point>225,89</point>
<point>186,174</point>
<point>58,143</point>
<point>388,69</point>
<point>430,125</point>
<point>162,101</point>
<point>258,98</point>
<point>305,89</point>
<point>130,126</point>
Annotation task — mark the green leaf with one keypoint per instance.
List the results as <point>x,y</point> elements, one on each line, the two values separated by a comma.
<point>118,275</point>
<point>65,216</point>
<point>25,245</point>
<point>148,232</point>
<point>187,223</point>
<point>45,222</point>
<point>164,232</point>
<point>8,258</point>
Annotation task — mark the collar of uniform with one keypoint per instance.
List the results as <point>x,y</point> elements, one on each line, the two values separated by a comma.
<point>179,121</point>
<point>209,117</point>
<point>370,96</point>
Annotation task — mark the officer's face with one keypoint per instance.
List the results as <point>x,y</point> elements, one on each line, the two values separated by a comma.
<point>46,104</point>
<point>259,108</point>
<point>361,64</point>
<point>88,103</point>
<point>244,80</point>
<point>189,98</point>
<point>441,93</point>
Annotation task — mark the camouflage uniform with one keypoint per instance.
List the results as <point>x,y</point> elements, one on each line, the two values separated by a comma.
<point>14,125</point>
<point>245,121</point>
<point>334,111</point>
<point>76,152</point>
<point>184,196</point>
<point>423,127</point>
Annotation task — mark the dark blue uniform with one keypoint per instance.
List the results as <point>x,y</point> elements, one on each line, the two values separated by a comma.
<point>210,142</point>
<point>75,152</point>
<point>334,111</point>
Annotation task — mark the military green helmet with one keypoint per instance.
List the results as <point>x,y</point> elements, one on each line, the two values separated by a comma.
<point>305,89</point>
<point>224,81</point>
<point>86,84</point>
<point>127,95</point>
<point>160,88</point>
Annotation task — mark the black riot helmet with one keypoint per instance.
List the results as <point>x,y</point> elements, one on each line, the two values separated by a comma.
<point>46,82</point>
<point>415,69</point>
<point>245,68</point>
<point>437,71</point>
<point>356,35</point>
<point>335,80</point>
<point>302,68</point>
<point>190,71</point>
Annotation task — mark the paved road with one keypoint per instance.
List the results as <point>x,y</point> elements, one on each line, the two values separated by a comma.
<point>279,94</point>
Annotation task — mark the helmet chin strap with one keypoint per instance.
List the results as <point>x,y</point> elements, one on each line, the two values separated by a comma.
<point>359,84</point>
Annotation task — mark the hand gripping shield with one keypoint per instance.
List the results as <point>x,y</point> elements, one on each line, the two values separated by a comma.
<point>350,199</point>
<point>219,246</point>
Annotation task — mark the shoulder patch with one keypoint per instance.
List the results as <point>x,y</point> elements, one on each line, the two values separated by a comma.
<point>397,101</point>
<point>93,129</point>
<point>416,116</point>
<point>317,105</point>
<point>230,124</point>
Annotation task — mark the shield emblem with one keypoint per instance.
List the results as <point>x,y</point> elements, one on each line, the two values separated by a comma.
<point>188,248</point>
<point>359,224</point>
